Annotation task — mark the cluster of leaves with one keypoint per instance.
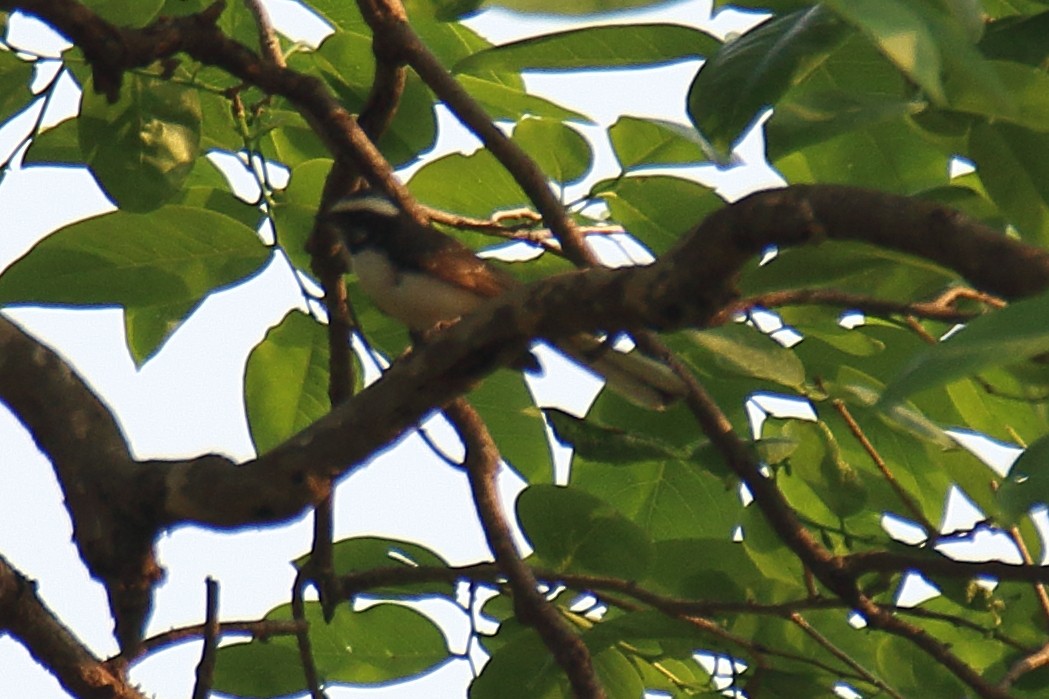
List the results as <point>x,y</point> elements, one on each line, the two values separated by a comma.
<point>888,95</point>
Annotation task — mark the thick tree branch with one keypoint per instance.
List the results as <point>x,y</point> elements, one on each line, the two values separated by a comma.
<point>392,31</point>
<point>25,617</point>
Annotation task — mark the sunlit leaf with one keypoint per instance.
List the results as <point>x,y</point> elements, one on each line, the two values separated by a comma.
<point>1005,336</point>
<point>598,47</point>
<point>143,147</point>
<point>286,380</point>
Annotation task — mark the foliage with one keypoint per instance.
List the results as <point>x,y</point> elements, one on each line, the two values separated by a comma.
<point>650,550</point>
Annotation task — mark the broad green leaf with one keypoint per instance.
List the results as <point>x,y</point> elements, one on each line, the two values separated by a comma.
<point>668,498</point>
<point>444,10</point>
<point>15,75</point>
<point>848,266</point>
<point>1019,40</point>
<point>521,668</point>
<point>504,100</point>
<point>891,153</point>
<point>451,42</point>
<point>286,380</point>
<point>819,461</point>
<point>571,530</point>
<point>641,142</point>
<point>382,643</point>
<point>708,569</point>
<point>1015,176</point>
<point>595,441</point>
<point>219,130</point>
<point>743,350</point>
<point>293,141</point>
<point>346,62</point>
<point>142,148</point>
<point>1024,100</point>
<point>592,48</point>
<point>173,254</point>
<point>363,553</point>
<point>751,72</point>
<point>295,208</point>
<point>560,152</point>
<point>59,144</point>
<point>1005,336</point>
<point>902,34</point>
<point>472,185</point>
<point>124,14</point>
<point>516,424</point>
<point>639,204</point>
<point>577,7</point>
<point>147,328</point>
<point>1028,482</point>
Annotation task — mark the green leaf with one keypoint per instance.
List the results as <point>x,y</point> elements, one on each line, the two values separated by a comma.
<point>346,62</point>
<point>1023,101</point>
<point>560,152</point>
<point>751,72</point>
<point>593,48</point>
<point>572,530</point>
<point>142,148</point>
<point>1027,484</point>
<point>472,185</point>
<point>902,34</point>
<point>743,350</point>
<point>576,7</point>
<point>502,99</point>
<point>58,144</point>
<point>362,553</point>
<point>522,668</point>
<point>286,380</point>
<point>295,208</point>
<point>848,266</point>
<point>668,498</point>
<point>15,76</point>
<point>641,142</point>
<point>639,204</point>
<point>516,424</point>
<point>147,328</point>
<point>717,570</point>
<point>382,643</point>
<point>821,464</point>
<point>998,338</point>
<point>173,254</point>
<point>124,14</point>
<point>596,441</point>
<point>1016,178</point>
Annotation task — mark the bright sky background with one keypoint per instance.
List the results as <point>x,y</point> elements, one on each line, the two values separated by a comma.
<point>404,493</point>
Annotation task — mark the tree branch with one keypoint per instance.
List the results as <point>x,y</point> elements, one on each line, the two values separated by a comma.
<point>531,608</point>
<point>25,617</point>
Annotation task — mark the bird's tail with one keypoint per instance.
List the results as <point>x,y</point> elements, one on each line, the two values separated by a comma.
<point>639,379</point>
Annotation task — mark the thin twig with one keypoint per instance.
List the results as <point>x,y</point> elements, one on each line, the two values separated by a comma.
<point>206,667</point>
<point>531,608</point>
<point>906,499</point>
<point>841,655</point>
<point>302,635</point>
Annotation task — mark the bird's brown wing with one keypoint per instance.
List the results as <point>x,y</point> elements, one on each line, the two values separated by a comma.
<point>429,250</point>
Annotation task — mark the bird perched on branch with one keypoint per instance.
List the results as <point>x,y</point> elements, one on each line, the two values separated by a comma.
<point>422,277</point>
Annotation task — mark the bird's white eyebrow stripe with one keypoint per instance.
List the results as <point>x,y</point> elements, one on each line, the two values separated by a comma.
<point>373,204</point>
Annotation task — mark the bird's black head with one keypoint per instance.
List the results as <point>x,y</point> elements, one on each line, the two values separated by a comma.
<point>362,218</point>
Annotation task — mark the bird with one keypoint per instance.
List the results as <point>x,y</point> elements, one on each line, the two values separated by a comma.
<point>424,278</point>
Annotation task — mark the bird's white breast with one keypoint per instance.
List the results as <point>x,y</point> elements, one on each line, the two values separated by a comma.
<point>416,299</point>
